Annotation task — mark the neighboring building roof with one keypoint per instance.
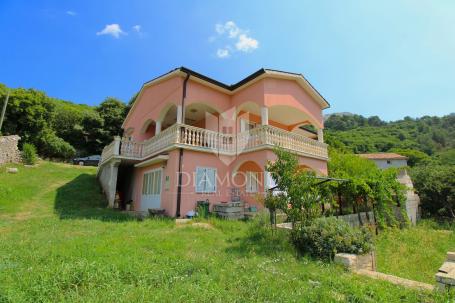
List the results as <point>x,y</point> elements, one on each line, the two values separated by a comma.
<point>383,156</point>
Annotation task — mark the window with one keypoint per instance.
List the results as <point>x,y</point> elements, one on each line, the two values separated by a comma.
<point>205,180</point>
<point>388,161</point>
<point>151,184</point>
<point>246,125</point>
<point>252,182</point>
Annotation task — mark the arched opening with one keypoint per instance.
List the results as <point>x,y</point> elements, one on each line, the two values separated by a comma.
<point>168,116</point>
<point>304,167</point>
<point>249,179</point>
<point>305,129</point>
<point>148,129</point>
<point>292,119</point>
<point>202,115</point>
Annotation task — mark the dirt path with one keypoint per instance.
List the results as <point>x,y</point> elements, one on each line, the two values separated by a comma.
<point>37,207</point>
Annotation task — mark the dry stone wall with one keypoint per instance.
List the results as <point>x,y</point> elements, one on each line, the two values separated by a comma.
<point>9,152</point>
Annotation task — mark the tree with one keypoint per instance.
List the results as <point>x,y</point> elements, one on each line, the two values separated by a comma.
<point>298,197</point>
<point>431,135</point>
<point>367,185</point>
<point>54,147</point>
<point>94,134</point>
<point>435,185</point>
<point>28,113</point>
<point>415,157</point>
<point>112,112</point>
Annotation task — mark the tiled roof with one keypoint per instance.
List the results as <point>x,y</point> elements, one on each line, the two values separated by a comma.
<point>383,156</point>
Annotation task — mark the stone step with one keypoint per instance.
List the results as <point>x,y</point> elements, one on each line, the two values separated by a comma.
<point>395,280</point>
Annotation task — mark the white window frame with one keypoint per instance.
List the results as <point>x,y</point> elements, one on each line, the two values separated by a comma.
<point>205,190</point>
<point>149,190</point>
<point>250,176</point>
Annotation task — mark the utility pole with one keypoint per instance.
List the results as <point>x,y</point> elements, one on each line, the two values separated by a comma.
<point>4,110</point>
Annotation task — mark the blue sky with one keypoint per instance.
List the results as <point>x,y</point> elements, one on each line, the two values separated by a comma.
<point>386,58</point>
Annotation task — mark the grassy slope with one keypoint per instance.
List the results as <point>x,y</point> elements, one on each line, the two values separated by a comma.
<point>415,253</point>
<point>58,243</point>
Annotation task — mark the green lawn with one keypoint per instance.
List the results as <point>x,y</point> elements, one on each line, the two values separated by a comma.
<point>59,243</point>
<point>415,253</point>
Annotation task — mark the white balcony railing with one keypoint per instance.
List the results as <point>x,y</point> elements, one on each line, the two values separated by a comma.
<point>190,137</point>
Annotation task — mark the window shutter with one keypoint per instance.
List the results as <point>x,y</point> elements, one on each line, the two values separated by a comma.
<point>211,184</point>
<point>254,182</point>
<point>200,172</point>
<point>251,182</point>
<point>205,180</point>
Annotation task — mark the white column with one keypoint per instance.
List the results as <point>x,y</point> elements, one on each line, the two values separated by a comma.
<point>112,182</point>
<point>265,115</point>
<point>116,145</point>
<point>320,135</point>
<point>179,114</point>
<point>157,127</point>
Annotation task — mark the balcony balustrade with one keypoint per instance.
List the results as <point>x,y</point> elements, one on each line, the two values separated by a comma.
<point>195,138</point>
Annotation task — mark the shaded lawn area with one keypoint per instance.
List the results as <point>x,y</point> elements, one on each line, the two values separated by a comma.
<point>415,253</point>
<point>59,243</point>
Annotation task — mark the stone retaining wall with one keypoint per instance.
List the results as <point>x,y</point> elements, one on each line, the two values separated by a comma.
<point>9,152</point>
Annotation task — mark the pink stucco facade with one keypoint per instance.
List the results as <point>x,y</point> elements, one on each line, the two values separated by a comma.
<point>281,102</point>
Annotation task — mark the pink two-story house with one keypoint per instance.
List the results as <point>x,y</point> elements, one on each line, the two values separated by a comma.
<point>191,138</point>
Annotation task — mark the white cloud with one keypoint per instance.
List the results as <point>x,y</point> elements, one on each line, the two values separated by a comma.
<point>71,13</point>
<point>112,29</point>
<point>246,44</point>
<point>137,28</point>
<point>229,27</point>
<point>222,53</point>
<point>240,39</point>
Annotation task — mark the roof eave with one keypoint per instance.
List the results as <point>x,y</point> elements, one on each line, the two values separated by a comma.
<point>232,89</point>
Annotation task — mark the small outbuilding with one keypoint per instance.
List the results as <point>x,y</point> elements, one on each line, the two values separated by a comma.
<point>388,160</point>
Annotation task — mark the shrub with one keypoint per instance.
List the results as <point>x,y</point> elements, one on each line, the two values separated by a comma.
<point>326,236</point>
<point>435,185</point>
<point>29,154</point>
<point>55,147</point>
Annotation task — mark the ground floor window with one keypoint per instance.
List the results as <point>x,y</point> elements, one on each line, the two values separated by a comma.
<point>205,180</point>
<point>152,183</point>
<point>252,182</point>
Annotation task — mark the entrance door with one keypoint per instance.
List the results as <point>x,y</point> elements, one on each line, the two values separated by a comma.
<point>151,190</point>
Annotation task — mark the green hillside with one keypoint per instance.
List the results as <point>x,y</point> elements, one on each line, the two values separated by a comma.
<point>434,136</point>
<point>59,128</point>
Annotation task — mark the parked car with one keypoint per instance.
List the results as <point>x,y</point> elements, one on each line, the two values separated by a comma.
<point>87,161</point>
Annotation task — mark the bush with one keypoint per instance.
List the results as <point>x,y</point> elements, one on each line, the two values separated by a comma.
<point>55,147</point>
<point>29,154</point>
<point>328,236</point>
<point>435,185</point>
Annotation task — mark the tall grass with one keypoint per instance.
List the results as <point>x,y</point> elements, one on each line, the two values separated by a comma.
<point>417,252</point>
<point>58,243</point>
